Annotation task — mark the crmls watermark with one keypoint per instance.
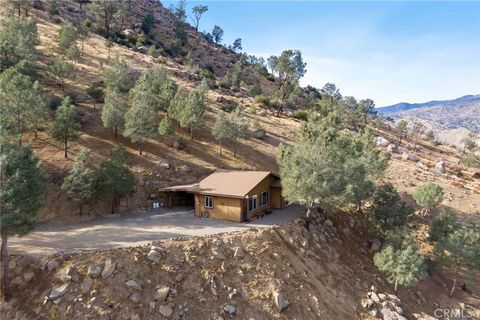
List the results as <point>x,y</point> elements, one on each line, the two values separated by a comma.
<point>454,313</point>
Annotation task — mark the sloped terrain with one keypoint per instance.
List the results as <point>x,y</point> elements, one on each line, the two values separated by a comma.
<point>322,274</point>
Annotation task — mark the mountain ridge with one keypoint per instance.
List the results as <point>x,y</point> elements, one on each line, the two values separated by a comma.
<point>403,106</point>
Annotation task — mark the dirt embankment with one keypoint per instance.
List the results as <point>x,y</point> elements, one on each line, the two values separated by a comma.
<point>322,274</point>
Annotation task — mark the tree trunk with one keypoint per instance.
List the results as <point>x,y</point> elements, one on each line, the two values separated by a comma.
<point>396,285</point>
<point>308,216</point>
<point>66,148</point>
<point>113,205</point>
<point>81,207</point>
<point>462,155</point>
<point>4,254</point>
<point>139,149</point>
<point>220,147</point>
<point>235,148</point>
<point>453,286</point>
<point>116,134</point>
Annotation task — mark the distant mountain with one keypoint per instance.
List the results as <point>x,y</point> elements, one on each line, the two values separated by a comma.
<point>463,112</point>
<point>404,106</point>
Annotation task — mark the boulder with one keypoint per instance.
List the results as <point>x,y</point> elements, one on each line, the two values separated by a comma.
<point>165,311</point>
<point>154,256</point>
<point>58,292</point>
<point>135,297</point>
<point>382,296</point>
<point>108,268</point>
<point>280,301</point>
<point>440,167</point>
<point>52,264</point>
<point>374,297</point>
<point>229,309</point>
<point>28,276</point>
<point>376,245</point>
<point>382,142</point>
<point>94,271</point>
<point>329,223</point>
<point>86,285</point>
<point>162,293</point>
<point>391,148</point>
<point>238,253</point>
<point>133,285</point>
<point>218,254</point>
<point>422,166</point>
<point>388,314</point>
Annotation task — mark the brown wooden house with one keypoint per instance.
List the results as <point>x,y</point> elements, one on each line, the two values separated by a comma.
<point>230,194</point>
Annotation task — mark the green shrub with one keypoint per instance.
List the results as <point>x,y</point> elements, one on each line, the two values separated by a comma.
<point>180,143</point>
<point>229,107</point>
<point>260,134</point>
<point>251,109</point>
<point>300,115</point>
<point>471,160</point>
<point>55,102</point>
<point>153,51</point>
<point>95,90</point>
<point>256,90</point>
<point>225,82</point>
<point>207,74</point>
<point>263,100</point>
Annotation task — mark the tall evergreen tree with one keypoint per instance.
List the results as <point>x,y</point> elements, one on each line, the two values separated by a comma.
<point>66,125</point>
<point>401,130</point>
<point>109,12</point>
<point>428,196</point>
<point>443,225</point>
<point>165,127</point>
<point>113,111</point>
<point>221,129</point>
<point>117,77</point>
<point>114,179</point>
<point>154,90</point>
<point>189,109</point>
<point>67,37</point>
<point>140,124</point>
<point>238,128</point>
<point>60,68</point>
<point>18,37</point>
<point>22,188</point>
<point>460,249</point>
<point>80,182</point>
<point>403,266</point>
<point>198,11</point>
<point>22,103</point>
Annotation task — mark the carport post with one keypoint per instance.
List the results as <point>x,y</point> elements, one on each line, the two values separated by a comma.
<point>170,199</point>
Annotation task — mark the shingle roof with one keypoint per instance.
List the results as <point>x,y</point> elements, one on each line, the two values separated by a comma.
<point>231,183</point>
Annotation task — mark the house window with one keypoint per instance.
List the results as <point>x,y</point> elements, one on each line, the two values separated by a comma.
<point>264,198</point>
<point>252,203</point>
<point>208,202</point>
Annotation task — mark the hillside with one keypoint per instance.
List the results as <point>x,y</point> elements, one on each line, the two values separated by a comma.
<point>452,119</point>
<point>279,272</point>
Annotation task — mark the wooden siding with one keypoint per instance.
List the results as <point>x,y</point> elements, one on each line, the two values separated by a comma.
<point>223,208</point>
<point>262,186</point>
<point>276,198</point>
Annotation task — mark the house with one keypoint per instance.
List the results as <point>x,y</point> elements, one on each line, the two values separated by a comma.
<point>230,194</point>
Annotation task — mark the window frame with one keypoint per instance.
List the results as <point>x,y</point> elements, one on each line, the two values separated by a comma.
<point>252,198</point>
<point>205,202</point>
<point>267,198</point>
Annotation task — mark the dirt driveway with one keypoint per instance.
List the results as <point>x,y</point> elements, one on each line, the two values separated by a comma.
<point>125,231</point>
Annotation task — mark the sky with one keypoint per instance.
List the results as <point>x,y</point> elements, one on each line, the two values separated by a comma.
<point>389,51</point>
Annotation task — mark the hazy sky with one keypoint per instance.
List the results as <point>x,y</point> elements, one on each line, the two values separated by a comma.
<point>385,50</point>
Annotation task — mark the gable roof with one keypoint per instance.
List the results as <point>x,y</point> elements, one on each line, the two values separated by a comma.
<point>229,183</point>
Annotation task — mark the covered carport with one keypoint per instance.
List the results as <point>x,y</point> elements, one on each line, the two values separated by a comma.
<point>183,195</point>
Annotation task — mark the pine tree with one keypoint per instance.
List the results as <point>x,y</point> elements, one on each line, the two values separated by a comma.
<point>404,266</point>
<point>113,111</point>
<point>66,125</point>
<point>417,131</point>
<point>80,182</point>
<point>401,130</point>
<point>428,196</point>
<point>460,249</point>
<point>114,178</point>
<point>117,77</point>
<point>22,188</point>
<point>73,53</point>
<point>61,69</point>
<point>221,129</point>
<point>189,108</point>
<point>165,127</point>
<point>238,128</point>
<point>18,37</point>
<point>154,89</point>
<point>22,103</point>
<point>68,37</point>
<point>140,124</point>
<point>443,225</point>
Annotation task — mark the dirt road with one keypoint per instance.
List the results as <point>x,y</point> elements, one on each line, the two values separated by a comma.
<point>124,231</point>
